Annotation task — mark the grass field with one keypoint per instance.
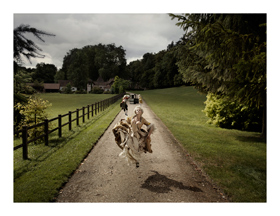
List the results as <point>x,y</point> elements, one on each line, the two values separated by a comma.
<point>39,178</point>
<point>235,160</point>
<point>63,103</point>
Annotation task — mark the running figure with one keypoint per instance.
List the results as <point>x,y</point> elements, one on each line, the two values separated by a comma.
<point>131,138</point>
<point>124,104</point>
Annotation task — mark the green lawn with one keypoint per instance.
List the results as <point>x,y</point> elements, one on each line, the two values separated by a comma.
<point>39,178</point>
<point>235,160</point>
<point>63,103</point>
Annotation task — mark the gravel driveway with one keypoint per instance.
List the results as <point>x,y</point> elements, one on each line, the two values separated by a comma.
<point>166,175</point>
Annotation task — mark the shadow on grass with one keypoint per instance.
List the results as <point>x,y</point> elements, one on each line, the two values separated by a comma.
<point>161,184</point>
<point>55,143</point>
<point>253,138</point>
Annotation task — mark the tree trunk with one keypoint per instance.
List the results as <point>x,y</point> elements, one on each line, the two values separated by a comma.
<point>264,121</point>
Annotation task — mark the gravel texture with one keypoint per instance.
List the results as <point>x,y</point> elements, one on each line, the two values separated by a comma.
<point>167,175</point>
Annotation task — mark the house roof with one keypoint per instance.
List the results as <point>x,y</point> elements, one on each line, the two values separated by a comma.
<point>64,83</point>
<point>100,81</point>
<point>51,85</point>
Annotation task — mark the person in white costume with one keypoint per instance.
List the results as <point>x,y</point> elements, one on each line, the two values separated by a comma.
<point>132,138</point>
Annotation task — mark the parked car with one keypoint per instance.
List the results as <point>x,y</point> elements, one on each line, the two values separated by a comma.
<point>133,99</point>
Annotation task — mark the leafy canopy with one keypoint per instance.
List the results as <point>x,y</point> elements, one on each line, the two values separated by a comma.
<point>225,54</point>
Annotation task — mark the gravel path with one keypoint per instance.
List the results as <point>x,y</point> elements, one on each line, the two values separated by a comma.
<point>166,175</point>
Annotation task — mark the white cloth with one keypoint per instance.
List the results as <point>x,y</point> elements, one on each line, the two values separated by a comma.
<point>132,148</point>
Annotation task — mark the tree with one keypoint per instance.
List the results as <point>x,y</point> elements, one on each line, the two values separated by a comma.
<point>225,54</point>
<point>147,76</point>
<point>120,85</point>
<point>67,60</point>
<point>21,78</point>
<point>33,112</point>
<point>45,73</point>
<point>59,76</point>
<point>24,46</point>
<point>110,61</point>
<point>106,61</point>
<point>77,70</point>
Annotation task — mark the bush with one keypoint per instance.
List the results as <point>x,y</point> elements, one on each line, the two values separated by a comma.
<point>121,90</point>
<point>82,91</point>
<point>107,92</point>
<point>97,90</point>
<point>232,115</point>
<point>28,90</point>
<point>33,113</point>
<point>68,89</point>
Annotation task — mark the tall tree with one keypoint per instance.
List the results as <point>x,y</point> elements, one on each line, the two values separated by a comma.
<point>26,47</point>
<point>77,70</point>
<point>67,60</point>
<point>226,54</point>
<point>45,73</point>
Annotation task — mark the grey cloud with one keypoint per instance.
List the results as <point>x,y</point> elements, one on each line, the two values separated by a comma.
<point>136,33</point>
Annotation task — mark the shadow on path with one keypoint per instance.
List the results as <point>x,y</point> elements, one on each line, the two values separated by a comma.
<point>161,184</point>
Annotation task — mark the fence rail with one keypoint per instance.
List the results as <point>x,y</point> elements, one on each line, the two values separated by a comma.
<point>92,109</point>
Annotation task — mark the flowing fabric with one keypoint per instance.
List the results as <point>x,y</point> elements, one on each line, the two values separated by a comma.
<point>132,146</point>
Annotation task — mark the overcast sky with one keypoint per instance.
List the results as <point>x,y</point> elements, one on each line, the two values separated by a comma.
<point>136,33</point>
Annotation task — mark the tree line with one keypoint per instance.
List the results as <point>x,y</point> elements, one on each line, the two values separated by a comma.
<point>154,70</point>
<point>222,55</point>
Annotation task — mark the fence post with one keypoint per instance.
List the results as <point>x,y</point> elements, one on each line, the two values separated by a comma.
<point>59,125</point>
<point>70,120</point>
<point>46,132</point>
<point>98,106</point>
<point>91,110</point>
<point>83,114</point>
<point>87,111</point>
<point>95,109</point>
<point>77,119</point>
<point>24,142</point>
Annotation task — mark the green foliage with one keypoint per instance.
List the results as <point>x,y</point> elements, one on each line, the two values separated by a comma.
<point>92,61</point>
<point>120,85</point>
<point>45,73</point>
<point>40,179</point>
<point>59,75</point>
<point>77,70</point>
<point>230,114</point>
<point>97,90</point>
<point>81,91</point>
<point>157,70</point>
<point>26,47</point>
<point>67,89</point>
<point>121,90</point>
<point>226,54</point>
<point>33,112</point>
<point>38,86</point>
<point>21,77</point>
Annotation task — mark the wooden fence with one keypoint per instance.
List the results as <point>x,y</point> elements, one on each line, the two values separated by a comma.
<point>86,111</point>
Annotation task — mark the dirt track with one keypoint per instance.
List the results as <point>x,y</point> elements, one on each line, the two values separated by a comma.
<point>166,175</point>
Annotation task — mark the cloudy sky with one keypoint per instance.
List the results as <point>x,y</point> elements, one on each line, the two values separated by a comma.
<point>136,33</point>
